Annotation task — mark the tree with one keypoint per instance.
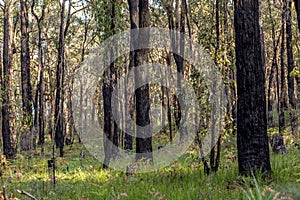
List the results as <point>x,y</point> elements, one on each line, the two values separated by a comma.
<point>27,138</point>
<point>40,88</point>
<point>143,145</point>
<point>60,76</point>
<point>110,126</point>
<point>276,140</point>
<point>252,139</point>
<point>133,11</point>
<point>8,149</point>
<point>177,47</point>
<point>290,63</point>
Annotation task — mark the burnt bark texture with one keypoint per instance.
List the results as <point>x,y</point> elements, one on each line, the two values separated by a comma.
<point>143,142</point>
<point>59,119</point>
<point>252,139</point>
<point>110,127</point>
<point>27,141</point>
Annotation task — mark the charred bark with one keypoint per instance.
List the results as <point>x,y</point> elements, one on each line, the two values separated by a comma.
<point>27,137</point>
<point>252,139</point>
<point>143,142</point>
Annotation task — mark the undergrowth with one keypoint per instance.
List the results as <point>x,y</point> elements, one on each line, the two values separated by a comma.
<point>83,178</point>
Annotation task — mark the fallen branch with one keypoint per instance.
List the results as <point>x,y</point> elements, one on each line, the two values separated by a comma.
<point>26,194</point>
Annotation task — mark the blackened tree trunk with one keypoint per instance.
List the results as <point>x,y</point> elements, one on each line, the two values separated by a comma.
<point>27,138</point>
<point>252,139</point>
<point>8,148</point>
<point>58,115</point>
<point>110,127</point>
<point>143,142</point>
<point>180,63</point>
<point>167,92</point>
<point>59,120</point>
<point>107,90</point>
<point>40,88</point>
<point>133,10</point>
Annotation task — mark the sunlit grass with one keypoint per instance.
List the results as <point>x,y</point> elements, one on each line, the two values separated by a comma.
<point>184,179</point>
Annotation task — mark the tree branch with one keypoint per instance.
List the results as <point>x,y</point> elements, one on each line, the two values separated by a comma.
<point>26,194</point>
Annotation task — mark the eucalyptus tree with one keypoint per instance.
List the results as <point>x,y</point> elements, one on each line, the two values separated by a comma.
<point>110,126</point>
<point>142,105</point>
<point>59,121</point>
<point>27,138</point>
<point>252,138</point>
<point>133,15</point>
<point>8,148</point>
<point>40,87</point>
<point>108,15</point>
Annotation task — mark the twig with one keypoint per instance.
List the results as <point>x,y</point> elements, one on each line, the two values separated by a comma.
<point>27,194</point>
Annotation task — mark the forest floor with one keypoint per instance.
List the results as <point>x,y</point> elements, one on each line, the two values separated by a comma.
<point>82,178</point>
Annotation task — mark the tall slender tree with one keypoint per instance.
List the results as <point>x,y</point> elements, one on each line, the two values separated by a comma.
<point>290,64</point>
<point>40,88</point>
<point>8,148</point>
<point>252,138</point>
<point>133,11</point>
<point>59,119</point>
<point>110,127</point>
<point>215,159</point>
<point>27,137</point>
<point>60,76</point>
<point>143,143</point>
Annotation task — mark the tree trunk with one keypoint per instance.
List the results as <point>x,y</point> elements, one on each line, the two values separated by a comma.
<point>133,10</point>
<point>8,148</point>
<point>215,159</point>
<point>27,138</point>
<point>252,138</point>
<point>143,144</point>
<point>58,116</point>
<point>40,87</point>
<point>276,141</point>
<point>110,126</point>
<point>290,61</point>
<point>272,70</point>
<point>175,48</point>
<point>167,91</point>
<point>59,121</point>
<point>107,90</point>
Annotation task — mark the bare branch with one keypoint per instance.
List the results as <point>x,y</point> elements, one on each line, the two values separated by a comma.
<point>26,194</point>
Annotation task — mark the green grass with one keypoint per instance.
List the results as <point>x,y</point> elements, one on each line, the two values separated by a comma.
<point>184,179</point>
